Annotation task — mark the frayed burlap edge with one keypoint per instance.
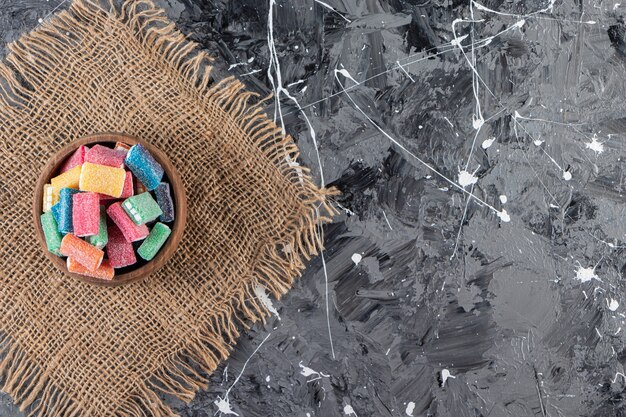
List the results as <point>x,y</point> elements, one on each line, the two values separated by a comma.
<point>276,268</point>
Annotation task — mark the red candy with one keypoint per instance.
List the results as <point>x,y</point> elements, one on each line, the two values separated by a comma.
<point>77,159</point>
<point>119,250</point>
<point>86,214</point>
<point>129,229</point>
<point>101,155</point>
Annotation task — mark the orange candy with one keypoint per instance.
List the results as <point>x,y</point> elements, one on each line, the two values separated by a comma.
<point>82,252</point>
<point>104,271</point>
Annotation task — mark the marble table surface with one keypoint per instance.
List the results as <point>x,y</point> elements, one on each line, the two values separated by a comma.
<point>477,266</point>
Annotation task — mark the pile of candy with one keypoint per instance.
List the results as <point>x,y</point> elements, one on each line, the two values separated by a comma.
<point>95,204</point>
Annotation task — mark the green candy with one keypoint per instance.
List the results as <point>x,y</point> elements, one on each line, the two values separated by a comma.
<point>155,240</point>
<point>51,232</point>
<point>142,208</point>
<point>102,238</point>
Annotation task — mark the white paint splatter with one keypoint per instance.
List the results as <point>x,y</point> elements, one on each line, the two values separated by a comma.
<point>487,143</point>
<point>267,378</point>
<point>409,408</point>
<point>261,295</point>
<point>223,406</point>
<point>585,274</point>
<point>595,145</point>
<point>567,175</point>
<point>445,374</point>
<point>538,142</point>
<point>403,148</point>
<point>466,178</point>
<point>613,304</point>
<point>348,410</point>
<point>306,371</point>
<point>503,199</point>
<point>478,122</point>
<point>356,258</point>
<point>504,216</point>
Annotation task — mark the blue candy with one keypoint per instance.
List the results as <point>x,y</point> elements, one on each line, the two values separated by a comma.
<point>144,167</point>
<point>56,212</point>
<point>65,221</point>
<point>164,199</point>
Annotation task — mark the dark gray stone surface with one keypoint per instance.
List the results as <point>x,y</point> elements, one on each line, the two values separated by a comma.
<point>451,311</point>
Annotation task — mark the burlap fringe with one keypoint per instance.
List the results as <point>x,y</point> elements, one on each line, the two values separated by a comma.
<point>277,265</point>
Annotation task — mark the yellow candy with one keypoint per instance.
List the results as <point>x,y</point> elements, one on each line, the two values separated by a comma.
<point>102,179</point>
<point>68,179</point>
<point>50,198</point>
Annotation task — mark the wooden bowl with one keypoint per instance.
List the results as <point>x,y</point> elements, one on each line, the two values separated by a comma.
<point>132,273</point>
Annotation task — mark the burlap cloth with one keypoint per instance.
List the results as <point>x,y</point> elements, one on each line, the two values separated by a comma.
<point>72,349</point>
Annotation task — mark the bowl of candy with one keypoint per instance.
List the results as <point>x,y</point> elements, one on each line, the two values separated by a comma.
<point>109,209</point>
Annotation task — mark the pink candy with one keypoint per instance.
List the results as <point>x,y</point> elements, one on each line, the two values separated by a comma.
<point>102,155</point>
<point>86,214</point>
<point>77,159</point>
<point>119,250</point>
<point>129,229</point>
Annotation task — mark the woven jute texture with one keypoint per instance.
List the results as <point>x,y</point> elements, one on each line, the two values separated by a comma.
<point>254,215</point>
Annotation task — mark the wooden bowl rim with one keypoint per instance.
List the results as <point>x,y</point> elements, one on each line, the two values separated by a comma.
<point>177,189</point>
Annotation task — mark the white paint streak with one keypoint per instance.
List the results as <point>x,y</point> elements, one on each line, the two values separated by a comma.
<point>250,73</point>
<point>403,148</point>
<point>328,6</point>
<point>387,220</point>
<point>405,71</point>
<point>261,294</point>
<point>223,404</point>
<point>330,335</point>
<point>277,86</point>
<point>548,9</point>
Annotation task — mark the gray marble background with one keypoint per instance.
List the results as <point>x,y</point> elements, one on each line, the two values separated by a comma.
<point>477,268</point>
